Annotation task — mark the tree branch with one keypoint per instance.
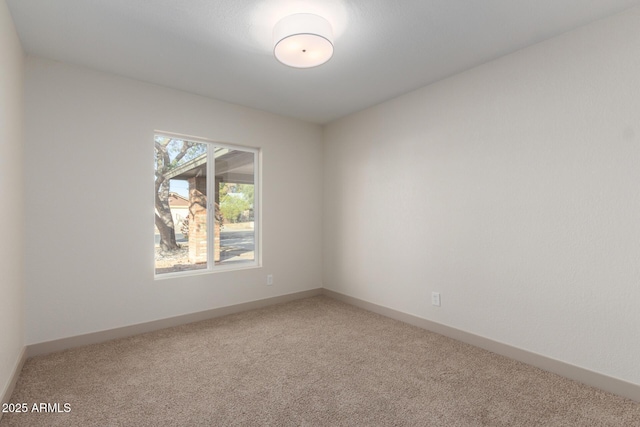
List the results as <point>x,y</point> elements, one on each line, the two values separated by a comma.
<point>183,151</point>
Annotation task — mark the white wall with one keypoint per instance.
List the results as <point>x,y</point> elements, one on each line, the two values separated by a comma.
<point>11,195</point>
<point>88,144</point>
<point>512,189</point>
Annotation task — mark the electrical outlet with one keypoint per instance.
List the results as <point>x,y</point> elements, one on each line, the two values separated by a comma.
<point>435,298</point>
<point>269,279</point>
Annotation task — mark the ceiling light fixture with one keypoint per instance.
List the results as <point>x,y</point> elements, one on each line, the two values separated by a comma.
<point>303,40</point>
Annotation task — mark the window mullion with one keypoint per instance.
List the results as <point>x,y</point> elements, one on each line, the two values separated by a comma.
<point>211,208</point>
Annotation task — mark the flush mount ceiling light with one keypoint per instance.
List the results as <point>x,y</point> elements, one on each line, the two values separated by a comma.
<point>303,40</point>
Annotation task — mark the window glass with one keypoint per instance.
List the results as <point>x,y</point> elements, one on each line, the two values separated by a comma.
<point>205,205</point>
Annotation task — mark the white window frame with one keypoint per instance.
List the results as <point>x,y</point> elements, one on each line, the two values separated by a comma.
<point>257,208</point>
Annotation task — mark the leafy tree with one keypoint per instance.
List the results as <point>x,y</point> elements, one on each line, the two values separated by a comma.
<point>235,199</point>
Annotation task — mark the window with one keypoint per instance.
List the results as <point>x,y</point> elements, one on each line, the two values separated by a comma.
<point>206,206</point>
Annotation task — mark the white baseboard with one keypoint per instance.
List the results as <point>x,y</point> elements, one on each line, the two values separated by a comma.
<point>5,397</point>
<point>585,376</point>
<point>141,328</point>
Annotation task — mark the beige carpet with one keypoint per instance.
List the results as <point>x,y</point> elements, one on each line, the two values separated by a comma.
<point>312,362</point>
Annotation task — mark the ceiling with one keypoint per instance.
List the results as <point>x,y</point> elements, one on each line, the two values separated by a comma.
<point>223,48</point>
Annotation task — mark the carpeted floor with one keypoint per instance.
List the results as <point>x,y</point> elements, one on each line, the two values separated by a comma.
<point>312,362</point>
